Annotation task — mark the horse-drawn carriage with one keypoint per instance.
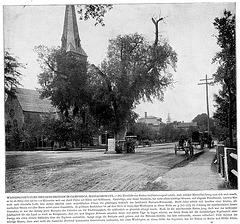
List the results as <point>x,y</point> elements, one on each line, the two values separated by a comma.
<point>184,144</point>
<point>187,144</point>
<point>202,139</point>
<point>197,139</point>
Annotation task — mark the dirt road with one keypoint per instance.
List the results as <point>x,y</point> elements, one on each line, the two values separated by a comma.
<point>87,170</point>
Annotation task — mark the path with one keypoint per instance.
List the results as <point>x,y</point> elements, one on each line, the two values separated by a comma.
<point>199,174</point>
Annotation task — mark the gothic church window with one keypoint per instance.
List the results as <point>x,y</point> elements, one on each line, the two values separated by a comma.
<point>8,127</point>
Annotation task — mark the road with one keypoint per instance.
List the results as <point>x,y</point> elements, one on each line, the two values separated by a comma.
<point>87,170</point>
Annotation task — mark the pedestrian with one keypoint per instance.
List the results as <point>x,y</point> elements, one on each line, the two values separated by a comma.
<point>190,146</point>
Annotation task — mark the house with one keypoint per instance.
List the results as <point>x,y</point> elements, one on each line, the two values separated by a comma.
<point>151,121</point>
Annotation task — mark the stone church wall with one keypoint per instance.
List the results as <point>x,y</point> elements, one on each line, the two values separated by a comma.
<point>13,113</point>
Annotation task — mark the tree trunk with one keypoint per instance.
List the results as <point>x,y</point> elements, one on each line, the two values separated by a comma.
<point>81,143</point>
<point>121,133</point>
<point>230,113</point>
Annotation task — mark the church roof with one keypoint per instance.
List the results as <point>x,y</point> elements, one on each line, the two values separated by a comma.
<point>70,37</point>
<point>30,101</point>
<point>80,50</point>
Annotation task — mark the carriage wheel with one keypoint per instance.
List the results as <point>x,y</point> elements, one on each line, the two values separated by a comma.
<point>202,144</point>
<point>133,149</point>
<point>191,151</point>
<point>186,152</point>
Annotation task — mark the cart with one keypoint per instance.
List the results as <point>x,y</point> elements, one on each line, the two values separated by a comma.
<point>127,145</point>
<point>197,139</point>
<point>207,139</point>
<point>184,144</point>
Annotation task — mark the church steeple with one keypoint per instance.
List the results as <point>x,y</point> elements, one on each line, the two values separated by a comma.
<point>70,39</point>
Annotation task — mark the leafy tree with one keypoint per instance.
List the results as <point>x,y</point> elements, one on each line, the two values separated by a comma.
<point>70,129</point>
<point>84,132</point>
<point>170,133</point>
<point>142,131</point>
<point>63,80</point>
<point>59,130</point>
<point>133,70</point>
<point>13,136</point>
<point>12,73</point>
<point>32,128</point>
<point>202,121</point>
<point>96,12</point>
<point>222,112</point>
<point>226,72</point>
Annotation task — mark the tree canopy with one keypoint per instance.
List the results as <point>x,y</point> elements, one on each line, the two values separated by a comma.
<point>226,57</point>
<point>226,72</point>
<point>63,80</point>
<point>12,74</point>
<point>202,121</point>
<point>134,70</point>
<point>96,12</point>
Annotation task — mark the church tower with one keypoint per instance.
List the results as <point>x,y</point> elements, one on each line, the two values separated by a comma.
<point>70,39</point>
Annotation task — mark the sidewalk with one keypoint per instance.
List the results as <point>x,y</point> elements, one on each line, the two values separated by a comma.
<point>199,174</point>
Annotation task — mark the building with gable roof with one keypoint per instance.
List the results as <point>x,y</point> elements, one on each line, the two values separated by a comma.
<point>25,108</point>
<point>151,121</point>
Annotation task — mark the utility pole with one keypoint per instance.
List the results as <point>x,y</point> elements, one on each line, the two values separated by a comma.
<point>207,83</point>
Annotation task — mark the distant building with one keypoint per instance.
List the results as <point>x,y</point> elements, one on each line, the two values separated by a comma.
<point>151,121</point>
<point>185,125</point>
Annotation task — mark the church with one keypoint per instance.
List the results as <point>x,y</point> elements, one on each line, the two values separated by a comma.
<point>27,105</point>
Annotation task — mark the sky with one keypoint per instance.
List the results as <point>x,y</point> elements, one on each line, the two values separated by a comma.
<point>188,27</point>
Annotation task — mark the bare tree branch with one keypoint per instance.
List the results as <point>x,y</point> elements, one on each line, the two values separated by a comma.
<point>155,22</point>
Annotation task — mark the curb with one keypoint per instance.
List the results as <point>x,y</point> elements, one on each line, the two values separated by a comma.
<point>188,160</point>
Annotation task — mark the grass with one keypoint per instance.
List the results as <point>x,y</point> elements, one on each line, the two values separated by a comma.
<point>227,185</point>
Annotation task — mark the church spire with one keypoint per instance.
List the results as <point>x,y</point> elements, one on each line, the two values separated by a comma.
<point>70,39</point>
